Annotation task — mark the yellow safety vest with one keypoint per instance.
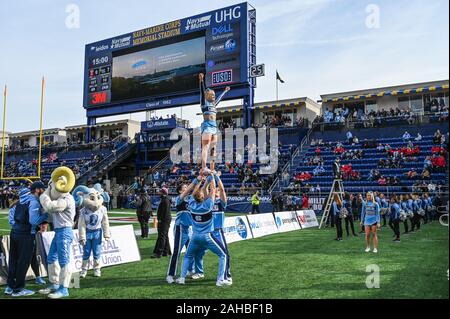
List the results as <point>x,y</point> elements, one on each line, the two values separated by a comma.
<point>255,200</point>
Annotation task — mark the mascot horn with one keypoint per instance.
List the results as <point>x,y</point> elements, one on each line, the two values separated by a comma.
<point>64,179</point>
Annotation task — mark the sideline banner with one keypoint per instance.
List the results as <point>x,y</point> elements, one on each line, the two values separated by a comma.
<point>236,229</point>
<point>262,224</point>
<point>120,249</point>
<point>307,218</point>
<point>286,221</point>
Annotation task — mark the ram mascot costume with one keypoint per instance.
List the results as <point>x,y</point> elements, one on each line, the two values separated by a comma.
<point>93,224</point>
<point>60,205</point>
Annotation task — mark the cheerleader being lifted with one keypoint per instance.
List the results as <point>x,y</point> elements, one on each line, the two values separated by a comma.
<point>209,102</point>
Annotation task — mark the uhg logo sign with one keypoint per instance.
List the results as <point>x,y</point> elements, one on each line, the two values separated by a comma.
<point>228,14</point>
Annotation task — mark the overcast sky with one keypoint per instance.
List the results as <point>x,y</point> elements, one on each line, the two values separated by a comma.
<point>318,46</point>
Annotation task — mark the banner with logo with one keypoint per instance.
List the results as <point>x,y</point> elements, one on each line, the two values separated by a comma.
<point>307,218</point>
<point>155,125</point>
<point>120,249</point>
<point>236,229</point>
<point>286,221</point>
<point>262,224</point>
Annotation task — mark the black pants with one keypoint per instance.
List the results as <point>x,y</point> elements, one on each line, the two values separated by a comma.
<point>384,219</point>
<point>405,224</point>
<point>21,251</point>
<point>255,208</point>
<point>35,263</point>
<point>395,226</point>
<point>349,221</point>
<point>415,221</point>
<point>162,247</point>
<point>143,219</point>
<point>338,222</point>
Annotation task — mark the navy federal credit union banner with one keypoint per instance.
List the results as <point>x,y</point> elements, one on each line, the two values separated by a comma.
<point>163,61</point>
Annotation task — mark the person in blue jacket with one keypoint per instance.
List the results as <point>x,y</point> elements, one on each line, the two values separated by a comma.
<point>24,217</point>
<point>394,217</point>
<point>370,218</point>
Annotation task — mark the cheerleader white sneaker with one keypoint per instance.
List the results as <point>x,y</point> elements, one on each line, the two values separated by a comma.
<point>97,273</point>
<point>198,276</point>
<point>375,250</point>
<point>367,249</point>
<point>170,280</point>
<point>221,283</point>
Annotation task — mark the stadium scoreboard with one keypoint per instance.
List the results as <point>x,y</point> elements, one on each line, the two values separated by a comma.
<point>158,67</point>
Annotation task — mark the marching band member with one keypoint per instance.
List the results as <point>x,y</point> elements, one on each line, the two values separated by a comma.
<point>394,218</point>
<point>370,218</point>
<point>416,203</point>
<point>384,206</point>
<point>404,205</point>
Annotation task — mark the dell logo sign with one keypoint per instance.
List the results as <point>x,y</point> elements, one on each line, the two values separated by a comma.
<point>228,14</point>
<point>222,29</point>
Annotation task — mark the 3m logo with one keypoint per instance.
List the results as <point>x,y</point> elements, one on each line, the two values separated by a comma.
<point>222,77</point>
<point>98,98</point>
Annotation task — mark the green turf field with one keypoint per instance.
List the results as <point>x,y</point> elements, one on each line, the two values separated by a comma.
<point>299,264</point>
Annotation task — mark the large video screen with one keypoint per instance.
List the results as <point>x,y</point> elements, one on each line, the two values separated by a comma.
<point>157,71</point>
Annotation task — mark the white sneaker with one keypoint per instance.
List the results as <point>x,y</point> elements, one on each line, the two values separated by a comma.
<point>170,280</point>
<point>180,281</point>
<point>375,250</point>
<point>367,249</point>
<point>97,273</point>
<point>83,273</point>
<point>221,283</point>
<point>228,281</point>
<point>198,276</point>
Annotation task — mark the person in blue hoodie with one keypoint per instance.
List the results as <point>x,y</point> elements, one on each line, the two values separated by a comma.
<point>394,218</point>
<point>370,218</point>
<point>24,217</point>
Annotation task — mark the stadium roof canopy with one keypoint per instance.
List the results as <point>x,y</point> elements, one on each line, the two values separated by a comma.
<point>384,91</point>
<point>269,105</point>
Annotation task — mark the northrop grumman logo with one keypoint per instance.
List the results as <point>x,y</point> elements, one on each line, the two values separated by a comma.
<point>99,48</point>
<point>198,23</point>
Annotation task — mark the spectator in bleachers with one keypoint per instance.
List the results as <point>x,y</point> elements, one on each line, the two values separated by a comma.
<point>418,137</point>
<point>439,163</point>
<point>437,137</point>
<point>411,174</point>
<point>406,136</point>
<point>349,137</point>
<point>426,174</point>
<point>318,170</point>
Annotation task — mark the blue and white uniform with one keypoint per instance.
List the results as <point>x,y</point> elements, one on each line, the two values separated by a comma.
<point>202,237</point>
<point>394,213</point>
<point>92,222</point>
<point>370,214</point>
<point>208,108</point>
<point>218,221</point>
<point>183,221</point>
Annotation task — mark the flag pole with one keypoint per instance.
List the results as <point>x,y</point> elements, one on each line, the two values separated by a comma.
<point>276,80</point>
